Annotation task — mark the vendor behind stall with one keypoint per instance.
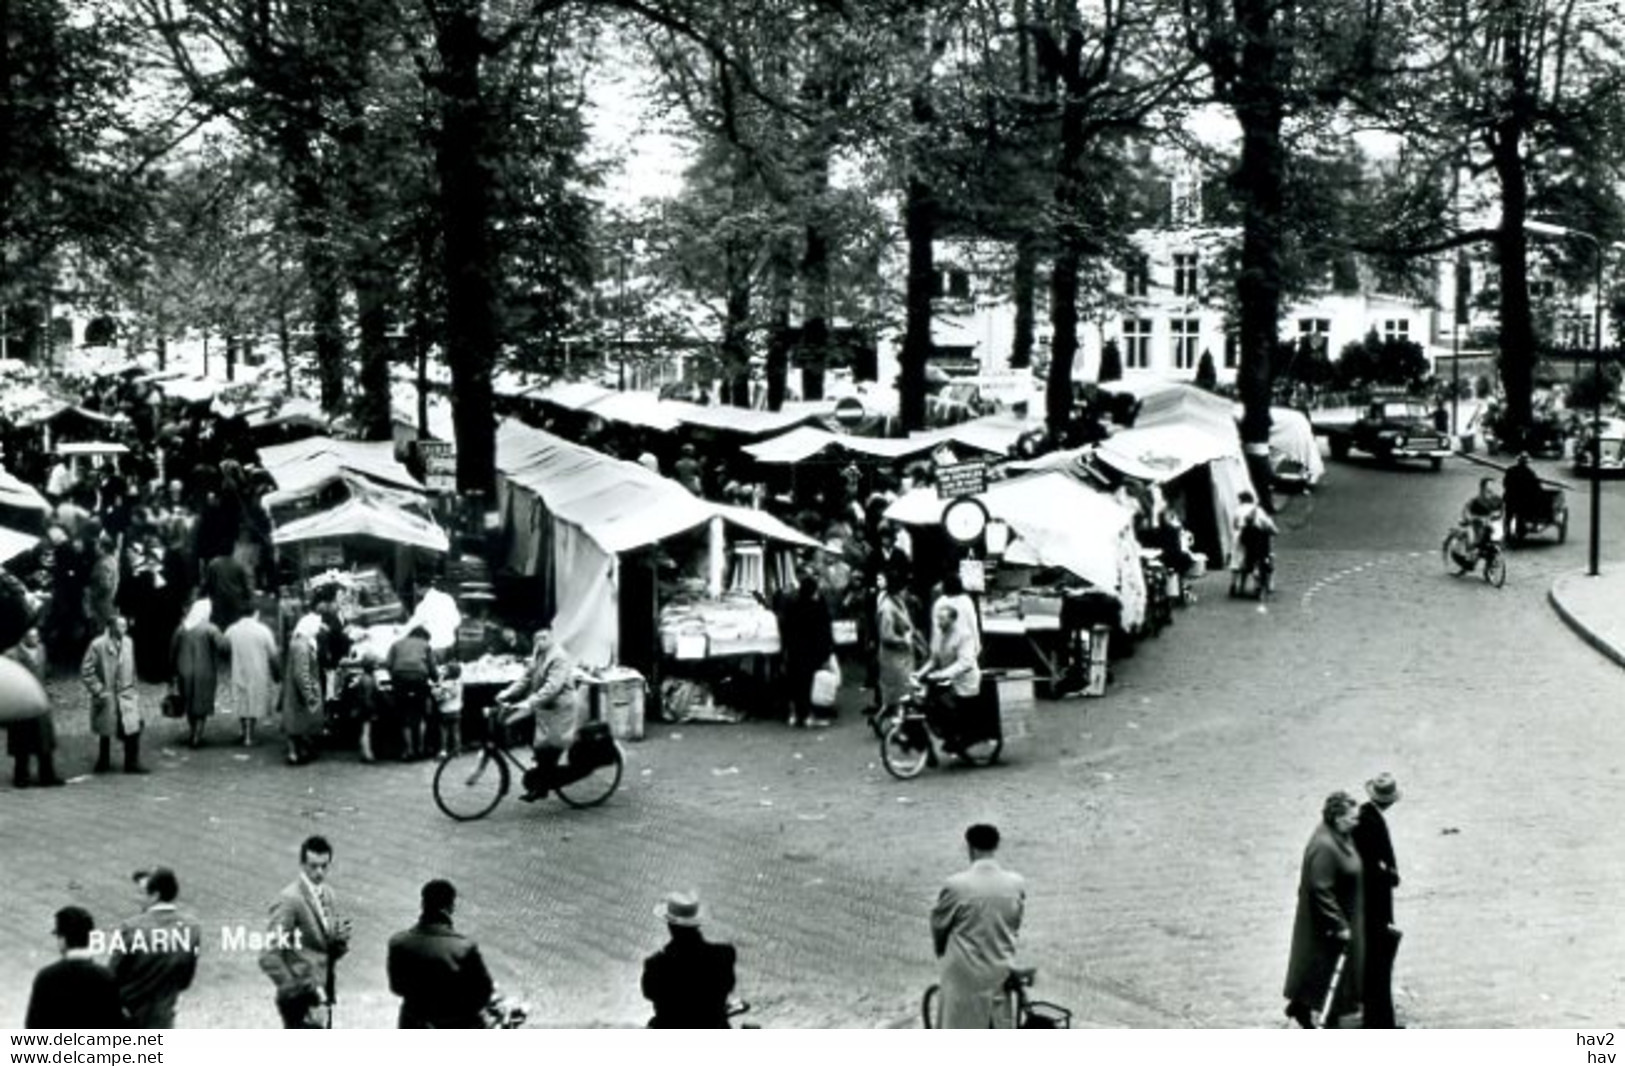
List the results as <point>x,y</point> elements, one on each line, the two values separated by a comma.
<point>439,616</point>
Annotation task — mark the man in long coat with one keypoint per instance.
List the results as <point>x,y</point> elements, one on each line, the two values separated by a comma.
<point>1376,849</point>
<point>975,927</point>
<point>548,691</point>
<point>437,971</point>
<point>302,704</point>
<point>108,673</point>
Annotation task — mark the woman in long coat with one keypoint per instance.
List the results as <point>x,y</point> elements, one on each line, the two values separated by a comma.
<point>195,652</point>
<point>1329,922</point>
<point>302,708</point>
<point>896,638</point>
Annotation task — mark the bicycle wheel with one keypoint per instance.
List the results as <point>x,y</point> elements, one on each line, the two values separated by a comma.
<point>983,752</point>
<point>1495,570</point>
<point>1454,548</point>
<point>470,784</point>
<point>596,785</point>
<point>931,1007</point>
<point>904,749</point>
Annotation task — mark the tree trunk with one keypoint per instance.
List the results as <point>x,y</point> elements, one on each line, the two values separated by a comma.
<point>231,357</point>
<point>1260,183</point>
<point>326,316</point>
<point>780,267</point>
<point>371,405</point>
<point>815,328</point>
<point>464,196</point>
<point>1517,317</point>
<point>1026,297</point>
<point>920,228</point>
<point>1063,341</point>
<point>736,331</point>
<point>163,352</point>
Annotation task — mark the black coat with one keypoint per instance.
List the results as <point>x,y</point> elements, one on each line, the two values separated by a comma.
<point>1376,850</point>
<point>439,975</point>
<point>75,994</point>
<point>805,634</point>
<point>688,981</point>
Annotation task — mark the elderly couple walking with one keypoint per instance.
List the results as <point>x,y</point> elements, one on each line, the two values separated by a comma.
<point>1344,938</point>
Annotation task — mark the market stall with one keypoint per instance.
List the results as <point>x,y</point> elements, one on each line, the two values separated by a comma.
<point>1066,538</point>
<point>1198,467</point>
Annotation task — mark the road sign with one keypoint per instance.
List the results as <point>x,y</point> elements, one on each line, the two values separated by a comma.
<point>439,465</point>
<point>961,479</point>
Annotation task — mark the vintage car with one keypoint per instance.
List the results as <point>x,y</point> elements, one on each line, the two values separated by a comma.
<point>1392,429</point>
<point>1610,445</point>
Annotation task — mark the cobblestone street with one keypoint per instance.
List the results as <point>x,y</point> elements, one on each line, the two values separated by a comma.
<point>1160,828</point>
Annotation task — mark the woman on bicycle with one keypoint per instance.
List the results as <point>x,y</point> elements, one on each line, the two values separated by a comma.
<point>896,637</point>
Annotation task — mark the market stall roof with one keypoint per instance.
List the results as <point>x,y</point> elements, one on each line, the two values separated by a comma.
<point>764,524</point>
<point>620,505</point>
<point>1175,403</point>
<point>314,461</point>
<point>13,544</point>
<point>296,410</point>
<point>1063,522</point>
<point>644,409</point>
<point>365,515</point>
<point>92,447</point>
<point>570,395</point>
<point>994,434</point>
<point>746,421</point>
<point>189,390</point>
<point>16,493</point>
<point>1292,437</point>
<point>1163,452</point>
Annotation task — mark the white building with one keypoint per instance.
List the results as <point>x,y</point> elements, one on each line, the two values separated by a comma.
<point>1162,316</point>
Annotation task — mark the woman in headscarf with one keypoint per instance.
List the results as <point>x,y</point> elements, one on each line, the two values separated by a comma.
<point>1329,922</point>
<point>194,656</point>
<point>302,708</point>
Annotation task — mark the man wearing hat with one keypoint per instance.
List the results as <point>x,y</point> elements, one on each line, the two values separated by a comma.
<point>689,980</point>
<point>1376,850</point>
<point>76,991</point>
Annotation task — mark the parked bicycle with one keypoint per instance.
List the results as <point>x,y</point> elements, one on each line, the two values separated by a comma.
<point>468,785</point>
<point>909,742</point>
<point>1023,1011</point>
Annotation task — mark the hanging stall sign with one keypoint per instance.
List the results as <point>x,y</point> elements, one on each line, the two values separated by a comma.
<point>439,465</point>
<point>962,479</point>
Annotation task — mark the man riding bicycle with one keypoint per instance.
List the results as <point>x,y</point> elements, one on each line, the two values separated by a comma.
<point>1482,512</point>
<point>956,674</point>
<point>548,691</point>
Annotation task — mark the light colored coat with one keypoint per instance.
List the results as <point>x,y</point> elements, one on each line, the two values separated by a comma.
<point>254,666</point>
<point>548,691</point>
<point>975,927</point>
<point>108,672</point>
<point>302,704</point>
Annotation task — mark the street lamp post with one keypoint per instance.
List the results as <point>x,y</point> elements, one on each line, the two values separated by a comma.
<point>1548,230</point>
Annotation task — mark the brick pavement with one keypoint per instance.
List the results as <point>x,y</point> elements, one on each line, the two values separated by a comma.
<point>1160,828</point>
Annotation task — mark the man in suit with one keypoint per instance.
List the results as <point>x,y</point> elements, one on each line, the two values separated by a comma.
<point>975,928</point>
<point>76,991</point>
<point>437,971</point>
<point>689,980</point>
<point>307,939</point>
<point>1376,850</point>
<point>154,954</point>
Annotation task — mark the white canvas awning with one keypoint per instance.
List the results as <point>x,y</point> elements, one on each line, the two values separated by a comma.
<point>308,464</point>
<point>1161,453</point>
<point>365,516</point>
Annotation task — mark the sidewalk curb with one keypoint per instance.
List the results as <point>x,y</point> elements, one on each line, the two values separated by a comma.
<point>1603,646</point>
